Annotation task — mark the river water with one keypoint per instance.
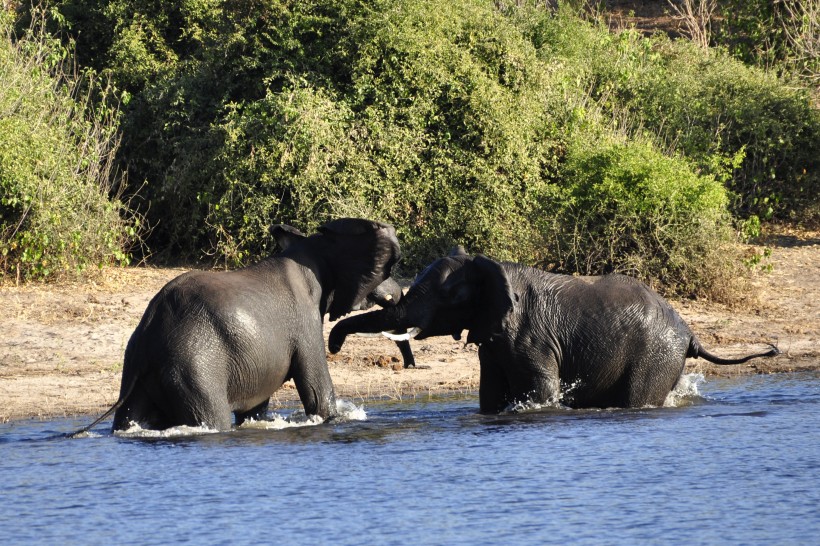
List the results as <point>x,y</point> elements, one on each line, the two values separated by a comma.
<point>734,461</point>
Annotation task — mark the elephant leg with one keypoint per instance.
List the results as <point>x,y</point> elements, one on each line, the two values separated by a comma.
<point>534,381</point>
<point>208,410</point>
<point>650,382</point>
<point>313,384</point>
<point>406,353</point>
<point>493,389</point>
<point>257,413</point>
<point>544,388</point>
<point>195,396</point>
<point>139,408</point>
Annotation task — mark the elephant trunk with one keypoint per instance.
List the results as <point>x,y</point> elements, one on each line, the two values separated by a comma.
<point>391,318</point>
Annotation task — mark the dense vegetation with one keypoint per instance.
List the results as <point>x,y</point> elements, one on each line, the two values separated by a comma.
<point>57,210</point>
<point>521,132</point>
<point>781,36</point>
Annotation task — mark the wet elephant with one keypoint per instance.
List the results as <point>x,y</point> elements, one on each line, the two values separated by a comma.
<point>216,345</point>
<point>605,341</point>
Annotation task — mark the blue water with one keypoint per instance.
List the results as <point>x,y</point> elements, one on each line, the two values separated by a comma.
<point>739,463</point>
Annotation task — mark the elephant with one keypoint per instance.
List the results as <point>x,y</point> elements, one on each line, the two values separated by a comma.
<point>584,342</point>
<point>212,344</point>
<point>388,294</point>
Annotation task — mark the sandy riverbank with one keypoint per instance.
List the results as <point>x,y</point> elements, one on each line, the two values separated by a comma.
<point>61,345</point>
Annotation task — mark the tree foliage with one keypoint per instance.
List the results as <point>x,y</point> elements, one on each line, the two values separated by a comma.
<point>506,127</point>
<point>57,215</point>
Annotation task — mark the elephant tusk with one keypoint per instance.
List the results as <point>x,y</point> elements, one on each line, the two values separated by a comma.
<point>409,334</point>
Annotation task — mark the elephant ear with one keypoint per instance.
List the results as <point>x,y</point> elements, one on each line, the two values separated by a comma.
<point>361,255</point>
<point>286,235</point>
<point>492,295</point>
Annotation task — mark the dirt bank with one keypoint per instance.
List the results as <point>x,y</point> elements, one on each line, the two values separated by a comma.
<point>61,346</point>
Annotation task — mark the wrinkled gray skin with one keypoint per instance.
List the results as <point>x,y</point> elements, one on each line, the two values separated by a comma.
<point>388,294</point>
<point>606,341</point>
<point>212,345</point>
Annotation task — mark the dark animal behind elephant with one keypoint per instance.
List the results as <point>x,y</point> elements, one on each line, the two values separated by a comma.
<point>213,344</point>
<point>611,339</point>
<point>388,294</point>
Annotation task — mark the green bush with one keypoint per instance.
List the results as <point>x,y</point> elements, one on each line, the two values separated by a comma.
<point>439,130</point>
<point>189,70</point>
<point>778,36</point>
<point>457,121</point>
<point>704,105</point>
<point>710,107</point>
<point>429,115</point>
<point>56,154</point>
<point>626,207</point>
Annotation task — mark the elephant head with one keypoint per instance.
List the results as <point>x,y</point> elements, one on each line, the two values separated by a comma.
<point>455,293</point>
<point>387,294</point>
<point>356,257</point>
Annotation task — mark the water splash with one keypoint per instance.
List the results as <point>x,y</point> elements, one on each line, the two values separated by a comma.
<point>136,431</point>
<point>529,405</point>
<point>685,390</point>
<point>86,434</point>
<point>347,411</point>
<point>279,422</point>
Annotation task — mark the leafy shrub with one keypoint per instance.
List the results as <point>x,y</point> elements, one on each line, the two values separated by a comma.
<point>439,130</point>
<point>714,107</point>
<point>189,69</point>
<point>56,155</point>
<point>457,121</point>
<point>628,208</point>
<point>425,114</point>
<point>779,36</point>
<point>705,105</point>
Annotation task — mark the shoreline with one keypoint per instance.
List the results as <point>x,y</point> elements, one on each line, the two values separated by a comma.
<point>62,346</point>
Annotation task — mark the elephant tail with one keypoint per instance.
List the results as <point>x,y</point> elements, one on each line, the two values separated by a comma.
<point>697,351</point>
<point>108,413</point>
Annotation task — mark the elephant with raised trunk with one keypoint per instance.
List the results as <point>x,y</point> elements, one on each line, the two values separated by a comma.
<point>213,344</point>
<point>599,341</point>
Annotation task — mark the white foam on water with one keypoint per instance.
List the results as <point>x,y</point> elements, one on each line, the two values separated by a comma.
<point>682,395</point>
<point>685,390</point>
<point>136,431</point>
<point>554,403</point>
<point>347,411</point>
<point>279,422</point>
<point>86,434</point>
<point>529,405</point>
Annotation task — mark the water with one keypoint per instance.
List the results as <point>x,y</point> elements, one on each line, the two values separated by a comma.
<point>738,463</point>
